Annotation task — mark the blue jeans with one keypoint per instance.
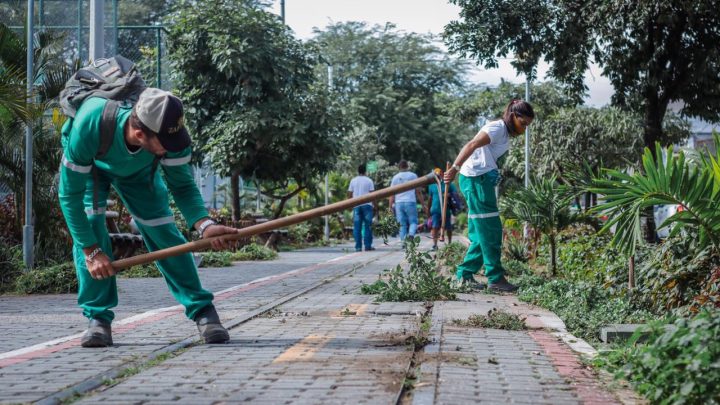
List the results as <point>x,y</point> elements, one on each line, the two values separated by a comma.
<point>408,217</point>
<point>362,219</point>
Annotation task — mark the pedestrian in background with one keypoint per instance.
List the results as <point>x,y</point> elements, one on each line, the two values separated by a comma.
<point>435,207</point>
<point>405,204</point>
<point>478,163</point>
<point>362,214</point>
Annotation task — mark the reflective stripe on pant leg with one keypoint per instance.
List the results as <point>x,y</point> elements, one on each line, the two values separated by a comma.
<point>473,260</point>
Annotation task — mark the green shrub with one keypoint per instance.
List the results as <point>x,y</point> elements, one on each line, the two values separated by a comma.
<point>583,307</point>
<point>590,258</point>
<point>421,282</point>
<point>677,364</point>
<point>516,249</point>
<point>57,279</point>
<point>300,233</point>
<point>216,259</point>
<point>514,268</point>
<point>452,254</point>
<point>11,264</point>
<point>461,222</point>
<point>385,227</point>
<point>494,320</point>
<point>254,251</point>
<point>142,271</point>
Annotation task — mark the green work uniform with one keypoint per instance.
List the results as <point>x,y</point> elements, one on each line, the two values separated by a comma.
<point>478,177</point>
<point>484,228</point>
<point>145,195</point>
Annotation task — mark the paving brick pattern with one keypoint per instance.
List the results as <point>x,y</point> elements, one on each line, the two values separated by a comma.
<point>319,342</point>
<point>38,377</point>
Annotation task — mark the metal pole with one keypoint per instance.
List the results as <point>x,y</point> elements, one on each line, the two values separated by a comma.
<point>526,228</point>
<point>527,138</point>
<point>115,27</point>
<point>28,231</point>
<point>97,31</point>
<point>79,29</point>
<point>327,181</point>
<point>41,14</point>
<point>157,61</point>
<point>282,10</point>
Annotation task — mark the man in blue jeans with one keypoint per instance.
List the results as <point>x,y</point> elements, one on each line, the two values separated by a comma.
<point>405,203</point>
<point>362,214</point>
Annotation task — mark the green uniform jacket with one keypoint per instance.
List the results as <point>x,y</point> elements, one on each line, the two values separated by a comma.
<point>81,140</point>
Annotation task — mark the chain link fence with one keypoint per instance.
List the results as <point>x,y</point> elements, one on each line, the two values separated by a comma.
<point>132,29</point>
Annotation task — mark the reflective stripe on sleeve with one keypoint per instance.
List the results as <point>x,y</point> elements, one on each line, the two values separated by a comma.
<point>488,215</point>
<point>76,168</point>
<point>176,161</point>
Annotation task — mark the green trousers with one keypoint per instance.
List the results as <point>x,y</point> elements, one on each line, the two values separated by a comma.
<point>484,229</point>
<point>151,210</point>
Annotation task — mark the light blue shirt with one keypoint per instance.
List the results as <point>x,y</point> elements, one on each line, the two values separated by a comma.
<point>401,178</point>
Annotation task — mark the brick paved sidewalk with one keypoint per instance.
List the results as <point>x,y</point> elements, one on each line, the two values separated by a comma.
<point>310,337</point>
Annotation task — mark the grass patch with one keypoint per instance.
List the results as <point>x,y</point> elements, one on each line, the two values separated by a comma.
<point>493,320</point>
<point>254,251</point>
<point>421,282</point>
<point>142,271</point>
<point>216,259</point>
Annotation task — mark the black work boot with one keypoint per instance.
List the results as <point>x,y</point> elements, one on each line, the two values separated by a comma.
<point>209,326</point>
<point>503,286</point>
<point>98,334</point>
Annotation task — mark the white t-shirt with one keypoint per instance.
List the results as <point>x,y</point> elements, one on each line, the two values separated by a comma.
<point>485,159</point>
<point>360,186</point>
<point>401,178</point>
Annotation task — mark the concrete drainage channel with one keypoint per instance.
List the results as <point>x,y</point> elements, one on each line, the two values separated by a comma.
<point>78,391</point>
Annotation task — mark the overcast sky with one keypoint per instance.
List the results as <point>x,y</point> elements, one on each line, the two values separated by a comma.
<point>421,16</point>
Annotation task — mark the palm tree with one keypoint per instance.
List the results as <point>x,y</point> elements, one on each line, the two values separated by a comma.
<point>49,77</point>
<point>545,206</point>
<point>667,179</point>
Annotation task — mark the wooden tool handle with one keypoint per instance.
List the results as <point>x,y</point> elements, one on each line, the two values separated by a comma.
<point>204,244</point>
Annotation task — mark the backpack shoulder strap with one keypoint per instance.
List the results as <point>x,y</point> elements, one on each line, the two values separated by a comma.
<point>107,127</point>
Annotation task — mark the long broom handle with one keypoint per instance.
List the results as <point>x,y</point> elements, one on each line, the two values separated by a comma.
<point>274,224</point>
<point>444,207</point>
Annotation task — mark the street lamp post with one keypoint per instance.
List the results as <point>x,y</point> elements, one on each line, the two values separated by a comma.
<point>28,231</point>
<point>327,181</point>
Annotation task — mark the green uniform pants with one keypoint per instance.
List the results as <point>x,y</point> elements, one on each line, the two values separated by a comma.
<point>484,229</point>
<point>151,210</point>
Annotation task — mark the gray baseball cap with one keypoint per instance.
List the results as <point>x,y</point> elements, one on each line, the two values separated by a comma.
<point>162,113</point>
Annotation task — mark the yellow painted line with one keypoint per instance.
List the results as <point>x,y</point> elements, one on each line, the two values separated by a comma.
<point>304,350</point>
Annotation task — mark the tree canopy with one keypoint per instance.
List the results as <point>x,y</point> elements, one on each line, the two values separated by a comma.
<point>250,92</point>
<point>398,86</point>
<point>654,53</point>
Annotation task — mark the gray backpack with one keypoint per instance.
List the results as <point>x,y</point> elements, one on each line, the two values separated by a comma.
<point>114,79</point>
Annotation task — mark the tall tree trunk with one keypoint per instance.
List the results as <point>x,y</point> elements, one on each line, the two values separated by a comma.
<point>553,255</point>
<point>283,200</point>
<point>235,194</point>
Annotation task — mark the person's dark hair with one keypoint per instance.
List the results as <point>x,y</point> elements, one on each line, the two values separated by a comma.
<point>403,164</point>
<point>361,169</point>
<point>519,107</point>
<point>135,123</point>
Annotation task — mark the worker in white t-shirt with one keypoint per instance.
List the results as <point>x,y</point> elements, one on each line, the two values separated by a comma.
<point>362,214</point>
<point>478,163</point>
<point>405,204</point>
